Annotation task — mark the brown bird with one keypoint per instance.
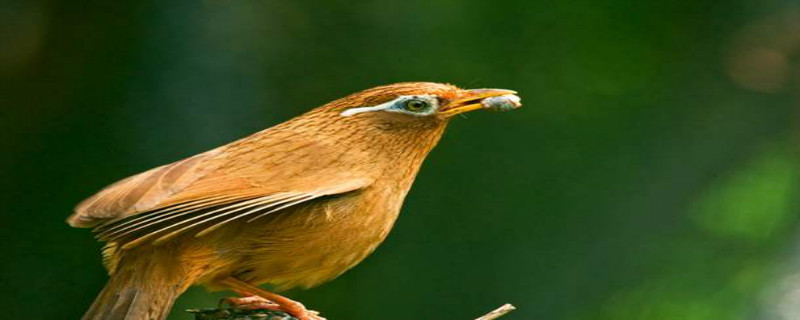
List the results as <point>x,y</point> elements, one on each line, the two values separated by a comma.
<point>294,205</point>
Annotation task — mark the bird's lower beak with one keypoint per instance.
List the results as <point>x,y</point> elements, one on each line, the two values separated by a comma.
<point>471,100</point>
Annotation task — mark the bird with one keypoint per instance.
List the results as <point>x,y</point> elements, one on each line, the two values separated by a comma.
<point>294,205</point>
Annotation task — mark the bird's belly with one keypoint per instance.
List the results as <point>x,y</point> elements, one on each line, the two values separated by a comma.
<point>314,243</point>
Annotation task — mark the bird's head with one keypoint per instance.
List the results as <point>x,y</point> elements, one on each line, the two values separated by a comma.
<point>397,121</point>
<point>417,104</point>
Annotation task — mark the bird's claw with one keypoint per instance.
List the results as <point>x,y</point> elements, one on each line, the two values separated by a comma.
<point>251,303</point>
<point>298,310</point>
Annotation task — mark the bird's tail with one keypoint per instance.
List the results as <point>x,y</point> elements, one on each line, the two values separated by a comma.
<point>132,295</point>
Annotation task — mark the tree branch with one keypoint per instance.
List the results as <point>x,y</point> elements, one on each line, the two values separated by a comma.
<point>230,313</point>
<point>497,313</point>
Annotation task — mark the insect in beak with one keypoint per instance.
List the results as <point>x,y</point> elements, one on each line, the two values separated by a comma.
<point>475,99</point>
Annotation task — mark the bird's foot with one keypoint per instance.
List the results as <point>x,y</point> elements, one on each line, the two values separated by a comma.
<point>299,310</point>
<point>250,303</point>
<point>293,308</point>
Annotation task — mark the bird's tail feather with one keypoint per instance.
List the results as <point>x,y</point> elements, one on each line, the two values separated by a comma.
<point>127,297</point>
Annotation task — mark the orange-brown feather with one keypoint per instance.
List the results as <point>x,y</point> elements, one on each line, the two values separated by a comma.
<point>340,182</point>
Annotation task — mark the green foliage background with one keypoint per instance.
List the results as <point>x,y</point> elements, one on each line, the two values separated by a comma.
<point>653,173</point>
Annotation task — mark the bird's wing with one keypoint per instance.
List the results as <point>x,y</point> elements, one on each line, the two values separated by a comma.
<point>207,191</point>
<point>204,215</point>
<point>141,192</point>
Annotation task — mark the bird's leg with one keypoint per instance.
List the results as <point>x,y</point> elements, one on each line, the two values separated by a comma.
<point>272,301</point>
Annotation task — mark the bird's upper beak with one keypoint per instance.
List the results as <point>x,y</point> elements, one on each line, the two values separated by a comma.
<point>470,100</point>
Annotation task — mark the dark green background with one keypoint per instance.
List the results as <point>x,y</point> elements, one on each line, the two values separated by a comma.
<point>653,173</point>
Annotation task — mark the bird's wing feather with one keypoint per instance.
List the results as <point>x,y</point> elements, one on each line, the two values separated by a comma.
<point>214,188</point>
<point>206,215</point>
<point>141,192</point>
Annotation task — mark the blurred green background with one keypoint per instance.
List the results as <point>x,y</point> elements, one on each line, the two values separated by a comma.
<point>653,173</point>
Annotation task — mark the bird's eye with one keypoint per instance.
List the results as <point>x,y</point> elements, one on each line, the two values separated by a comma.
<point>415,105</point>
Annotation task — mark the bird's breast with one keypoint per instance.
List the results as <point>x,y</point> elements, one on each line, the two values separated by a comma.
<point>318,241</point>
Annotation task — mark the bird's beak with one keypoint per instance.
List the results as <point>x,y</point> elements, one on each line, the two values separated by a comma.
<point>470,100</point>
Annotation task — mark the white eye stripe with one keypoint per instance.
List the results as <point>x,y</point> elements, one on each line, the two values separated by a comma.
<point>388,106</point>
<point>355,111</point>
